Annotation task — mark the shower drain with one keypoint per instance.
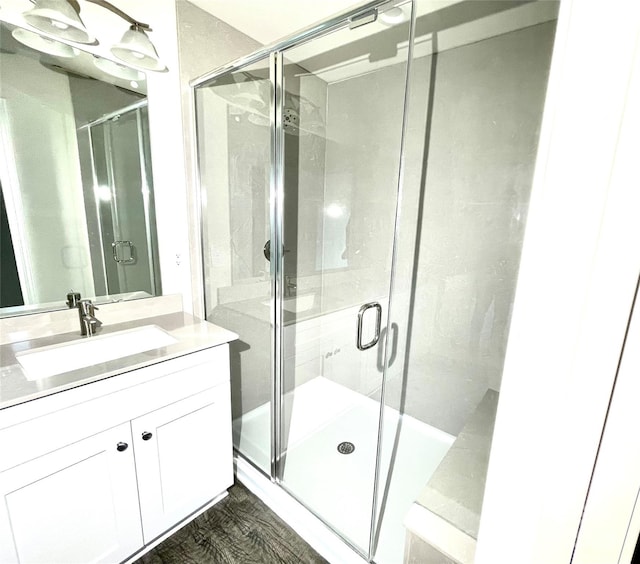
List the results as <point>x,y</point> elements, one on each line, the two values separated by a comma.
<point>346,447</point>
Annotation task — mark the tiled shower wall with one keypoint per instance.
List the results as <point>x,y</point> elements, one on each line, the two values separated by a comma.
<point>470,152</point>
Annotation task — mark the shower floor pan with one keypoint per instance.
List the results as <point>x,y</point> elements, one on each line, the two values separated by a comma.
<point>338,487</point>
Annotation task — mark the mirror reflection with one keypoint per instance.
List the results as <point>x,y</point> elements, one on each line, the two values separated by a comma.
<point>77,206</point>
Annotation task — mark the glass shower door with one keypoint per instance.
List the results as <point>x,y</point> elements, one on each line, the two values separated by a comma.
<point>340,152</point>
<point>121,164</point>
<point>478,80</point>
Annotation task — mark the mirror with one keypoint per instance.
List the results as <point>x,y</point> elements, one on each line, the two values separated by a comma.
<point>77,206</point>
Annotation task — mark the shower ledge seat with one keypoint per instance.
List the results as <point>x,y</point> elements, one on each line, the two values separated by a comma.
<point>442,524</point>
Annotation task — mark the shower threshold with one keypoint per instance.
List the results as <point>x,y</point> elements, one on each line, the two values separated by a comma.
<point>338,486</point>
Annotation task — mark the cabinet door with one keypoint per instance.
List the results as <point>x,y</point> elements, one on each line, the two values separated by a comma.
<point>78,504</point>
<point>184,458</point>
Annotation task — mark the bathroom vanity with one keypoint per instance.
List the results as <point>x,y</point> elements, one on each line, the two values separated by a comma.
<point>105,460</point>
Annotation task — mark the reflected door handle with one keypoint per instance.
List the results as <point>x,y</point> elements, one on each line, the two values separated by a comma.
<point>364,346</point>
<point>123,252</point>
<point>266,250</point>
<point>392,343</point>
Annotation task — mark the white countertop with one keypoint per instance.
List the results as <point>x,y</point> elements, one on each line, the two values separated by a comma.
<point>191,334</point>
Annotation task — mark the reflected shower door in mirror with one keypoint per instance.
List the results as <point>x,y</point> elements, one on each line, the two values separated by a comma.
<point>342,114</point>
<point>126,261</point>
<point>234,163</point>
<point>77,188</point>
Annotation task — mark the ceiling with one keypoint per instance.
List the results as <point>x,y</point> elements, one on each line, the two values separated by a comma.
<point>267,21</point>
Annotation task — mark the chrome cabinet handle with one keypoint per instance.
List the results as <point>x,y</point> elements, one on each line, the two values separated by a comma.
<point>146,435</point>
<point>121,446</point>
<point>376,337</point>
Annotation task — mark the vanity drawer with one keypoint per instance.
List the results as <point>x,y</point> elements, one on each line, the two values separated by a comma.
<point>171,381</point>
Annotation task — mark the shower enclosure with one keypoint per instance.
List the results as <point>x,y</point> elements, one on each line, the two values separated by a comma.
<point>119,202</point>
<point>364,189</point>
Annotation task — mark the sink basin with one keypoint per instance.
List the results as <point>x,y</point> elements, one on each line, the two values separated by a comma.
<point>299,303</point>
<point>57,359</point>
<point>296,304</point>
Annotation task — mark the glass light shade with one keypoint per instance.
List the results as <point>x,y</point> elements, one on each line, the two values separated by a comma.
<point>116,69</point>
<point>44,44</point>
<point>392,16</point>
<point>58,18</point>
<point>136,50</point>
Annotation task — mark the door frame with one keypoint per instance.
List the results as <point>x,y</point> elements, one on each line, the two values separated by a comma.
<point>612,503</point>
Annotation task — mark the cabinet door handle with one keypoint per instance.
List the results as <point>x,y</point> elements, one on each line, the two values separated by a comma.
<point>122,446</point>
<point>146,435</point>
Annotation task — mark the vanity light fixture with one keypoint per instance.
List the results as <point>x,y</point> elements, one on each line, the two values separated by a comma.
<point>117,70</point>
<point>60,19</point>
<point>135,48</point>
<point>44,44</point>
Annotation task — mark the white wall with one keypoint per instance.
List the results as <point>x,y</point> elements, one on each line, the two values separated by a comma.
<point>166,133</point>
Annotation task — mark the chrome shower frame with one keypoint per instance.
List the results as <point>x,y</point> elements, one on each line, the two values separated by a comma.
<point>353,18</point>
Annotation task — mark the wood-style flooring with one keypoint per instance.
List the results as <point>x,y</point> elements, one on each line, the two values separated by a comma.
<point>240,529</point>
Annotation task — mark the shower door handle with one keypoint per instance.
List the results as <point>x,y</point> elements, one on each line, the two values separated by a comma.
<point>266,250</point>
<point>376,337</point>
<point>123,252</point>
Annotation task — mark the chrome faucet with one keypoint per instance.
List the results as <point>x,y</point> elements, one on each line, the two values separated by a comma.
<point>89,323</point>
<point>290,286</point>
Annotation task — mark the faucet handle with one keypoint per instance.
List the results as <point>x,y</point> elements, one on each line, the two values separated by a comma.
<point>86,307</point>
<point>73,298</point>
<point>88,322</point>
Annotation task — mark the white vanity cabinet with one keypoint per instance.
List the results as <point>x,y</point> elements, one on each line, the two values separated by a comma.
<point>77,504</point>
<point>109,467</point>
<point>180,453</point>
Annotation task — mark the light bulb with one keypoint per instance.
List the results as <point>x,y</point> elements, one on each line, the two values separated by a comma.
<point>334,210</point>
<point>393,16</point>
<point>103,193</point>
<point>59,25</point>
